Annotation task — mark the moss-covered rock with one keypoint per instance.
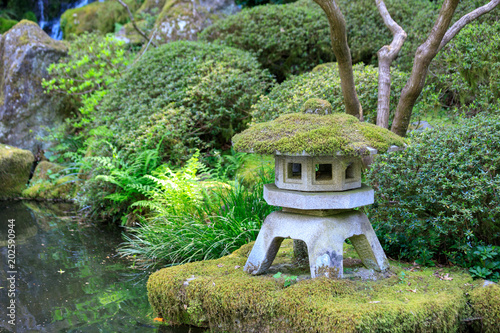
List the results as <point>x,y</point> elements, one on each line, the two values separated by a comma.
<point>315,135</point>
<point>15,168</point>
<point>485,302</point>
<point>96,17</point>
<point>219,295</point>
<point>184,19</point>
<point>25,110</point>
<point>50,182</point>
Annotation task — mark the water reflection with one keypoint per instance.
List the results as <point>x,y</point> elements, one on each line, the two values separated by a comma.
<point>69,278</point>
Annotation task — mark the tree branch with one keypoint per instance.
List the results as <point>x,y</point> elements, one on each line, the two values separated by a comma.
<point>135,25</point>
<point>423,57</point>
<point>386,56</point>
<point>466,19</point>
<point>343,54</point>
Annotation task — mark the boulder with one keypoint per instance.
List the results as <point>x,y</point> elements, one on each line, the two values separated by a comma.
<point>98,17</point>
<point>49,181</point>
<point>15,168</point>
<point>26,112</point>
<point>184,19</point>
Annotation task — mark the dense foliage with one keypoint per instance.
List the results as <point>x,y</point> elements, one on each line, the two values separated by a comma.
<point>468,69</point>
<point>196,218</point>
<point>324,83</point>
<point>287,39</point>
<point>439,199</point>
<point>293,38</point>
<point>93,63</point>
<point>183,93</point>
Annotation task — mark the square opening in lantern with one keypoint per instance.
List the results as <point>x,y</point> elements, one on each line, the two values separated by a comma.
<point>323,172</point>
<point>294,171</point>
<point>349,172</point>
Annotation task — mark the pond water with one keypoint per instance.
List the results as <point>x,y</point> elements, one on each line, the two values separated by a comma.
<point>68,277</point>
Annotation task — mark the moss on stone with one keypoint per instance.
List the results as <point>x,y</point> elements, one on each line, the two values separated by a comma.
<point>219,295</point>
<point>15,168</point>
<point>95,17</point>
<point>315,135</point>
<point>485,302</point>
<point>50,182</point>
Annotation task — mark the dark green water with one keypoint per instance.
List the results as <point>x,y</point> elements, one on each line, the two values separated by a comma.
<point>68,277</point>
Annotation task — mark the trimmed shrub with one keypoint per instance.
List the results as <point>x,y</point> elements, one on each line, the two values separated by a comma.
<point>324,83</point>
<point>287,39</point>
<point>291,39</point>
<point>6,24</point>
<point>198,92</point>
<point>439,199</point>
<point>469,69</point>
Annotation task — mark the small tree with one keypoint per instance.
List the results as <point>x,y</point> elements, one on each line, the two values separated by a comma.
<point>439,36</point>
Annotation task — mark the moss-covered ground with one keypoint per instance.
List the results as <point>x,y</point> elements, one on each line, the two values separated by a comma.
<point>219,295</point>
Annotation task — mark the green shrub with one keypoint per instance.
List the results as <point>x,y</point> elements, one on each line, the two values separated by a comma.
<point>324,83</point>
<point>6,24</point>
<point>293,38</point>
<point>188,93</point>
<point>439,199</point>
<point>286,39</point>
<point>30,16</point>
<point>468,69</point>
<point>93,63</point>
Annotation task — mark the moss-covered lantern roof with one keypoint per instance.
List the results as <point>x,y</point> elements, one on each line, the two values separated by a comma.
<point>316,135</point>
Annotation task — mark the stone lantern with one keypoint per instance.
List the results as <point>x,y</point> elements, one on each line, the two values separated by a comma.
<point>318,185</point>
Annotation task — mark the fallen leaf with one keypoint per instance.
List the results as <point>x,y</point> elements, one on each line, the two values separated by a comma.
<point>159,319</point>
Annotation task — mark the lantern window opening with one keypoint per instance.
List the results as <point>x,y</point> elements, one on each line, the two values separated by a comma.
<point>323,172</point>
<point>294,171</point>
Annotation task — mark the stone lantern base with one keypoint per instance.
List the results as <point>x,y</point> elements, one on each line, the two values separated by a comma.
<point>324,237</point>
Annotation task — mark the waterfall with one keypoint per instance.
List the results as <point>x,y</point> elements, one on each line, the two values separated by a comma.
<point>41,20</point>
<point>53,26</point>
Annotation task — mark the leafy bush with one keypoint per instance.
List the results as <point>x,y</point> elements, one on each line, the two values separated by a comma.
<point>93,63</point>
<point>439,199</point>
<point>286,39</point>
<point>468,69</point>
<point>324,83</point>
<point>189,93</point>
<point>293,38</point>
<point>6,24</point>
<point>194,219</point>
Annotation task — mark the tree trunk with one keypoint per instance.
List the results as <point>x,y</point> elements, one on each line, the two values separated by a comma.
<point>423,57</point>
<point>343,54</point>
<point>386,56</point>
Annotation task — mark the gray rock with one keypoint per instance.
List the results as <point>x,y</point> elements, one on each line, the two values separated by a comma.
<point>184,19</point>
<point>25,110</point>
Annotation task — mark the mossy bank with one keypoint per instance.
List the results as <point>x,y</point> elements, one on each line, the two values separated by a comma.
<point>219,295</point>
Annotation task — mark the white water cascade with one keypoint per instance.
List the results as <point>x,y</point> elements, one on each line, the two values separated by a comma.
<point>53,26</point>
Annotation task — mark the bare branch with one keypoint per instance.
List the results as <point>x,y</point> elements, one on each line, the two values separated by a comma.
<point>466,19</point>
<point>386,56</point>
<point>135,25</point>
<point>343,54</point>
<point>423,57</point>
